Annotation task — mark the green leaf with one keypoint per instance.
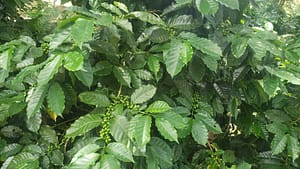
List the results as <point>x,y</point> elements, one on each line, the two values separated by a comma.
<point>147,17</point>
<point>199,132</point>
<point>293,147</point>
<point>283,74</point>
<point>142,130</point>
<point>173,118</point>
<point>197,69</point>
<point>210,62</point>
<point>158,107</point>
<point>122,75</point>
<point>244,165</point>
<point>166,129</point>
<point>278,143</point>
<point>132,125</point>
<point>73,61</point>
<point>56,99</point>
<point>57,158</point>
<point>109,162</point>
<point>203,6</point>
<point>24,160</point>
<point>82,31</point>
<point>111,8</point>
<point>50,69</point>
<point>87,149</point>
<point>239,46</point>
<point>204,45</point>
<point>5,61</point>
<point>85,75</point>
<point>48,134</point>
<point>83,125</point>
<point>153,64</point>
<point>35,99</point>
<point>33,123</point>
<point>143,94</point>
<point>177,56</point>
<point>271,84</point>
<point>10,150</point>
<point>119,129</point>
<point>161,151</point>
<point>209,122</point>
<point>120,151</point>
<point>121,6</point>
<point>85,157</point>
<point>258,46</point>
<point>94,98</point>
<point>58,38</point>
<point>233,4</point>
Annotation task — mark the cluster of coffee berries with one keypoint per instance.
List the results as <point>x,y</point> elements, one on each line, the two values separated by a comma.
<point>45,46</point>
<point>196,100</point>
<point>124,100</point>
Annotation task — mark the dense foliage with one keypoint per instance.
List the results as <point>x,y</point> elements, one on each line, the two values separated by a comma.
<point>150,84</point>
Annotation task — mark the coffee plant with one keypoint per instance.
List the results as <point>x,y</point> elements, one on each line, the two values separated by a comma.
<point>128,84</point>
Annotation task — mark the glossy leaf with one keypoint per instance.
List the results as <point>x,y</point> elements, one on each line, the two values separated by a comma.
<point>120,151</point>
<point>49,70</point>
<point>94,98</point>
<point>199,132</point>
<point>239,46</point>
<point>143,94</point>
<point>85,75</point>
<point>177,56</point>
<point>147,17</point>
<point>82,31</point>
<point>279,143</point>
<point>119,129</point>
<point>109,162</point>
<point>283,74</point>
<point>35,100</point>
<point>73,61</point>
<point>142,130</point>
<point>158,107</point>
<point>83,125</point>
<point>56,99</point>
<point>293,147</point>
<point>122,75</point>
<point>5,62</point>
<point>161,151</point>
<point>173,118</point>
<point>166,129</point>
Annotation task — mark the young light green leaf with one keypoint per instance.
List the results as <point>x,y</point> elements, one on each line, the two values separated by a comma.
<point>109,162</point>
<point>166,129</point>
<point>203,6</point>
<point>199,132</point>
<point>239,46</point>
<point>143,94</point>
<point>147,17</point>
<point>35,99</point>
<point>84,151</point>
<point>94,98</point>
<point>142,130</point>
<point>83,125</point>
<point>278,143</point>
<point>177,56</point>
<point>120,151</point>
<point>73,61</point>
<point>56,99</point>
<point>158,107</point>
<point>233,4</point>
<point>122,75</point>
<point>293,147</point>
<point>82,31</point>
<point>121,6</point>
<point>50,69</point>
